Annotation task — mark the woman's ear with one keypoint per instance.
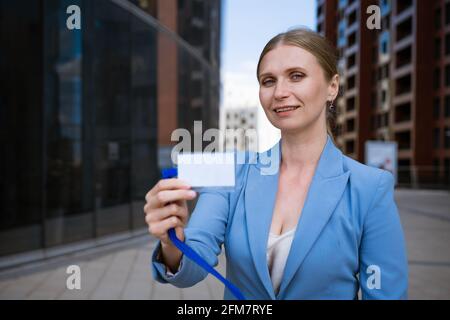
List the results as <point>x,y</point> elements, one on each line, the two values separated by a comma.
<point>333,88</point>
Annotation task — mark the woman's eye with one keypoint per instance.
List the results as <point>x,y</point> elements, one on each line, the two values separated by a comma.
<point>267,82</point>
<point>297,76</point>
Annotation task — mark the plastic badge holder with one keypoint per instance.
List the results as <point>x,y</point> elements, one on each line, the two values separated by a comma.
<point>208,171</point>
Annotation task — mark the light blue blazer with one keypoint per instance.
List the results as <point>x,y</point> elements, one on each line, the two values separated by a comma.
<point>349,235</point>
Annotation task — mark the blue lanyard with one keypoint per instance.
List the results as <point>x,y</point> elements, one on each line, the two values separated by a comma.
<point>194,256</point>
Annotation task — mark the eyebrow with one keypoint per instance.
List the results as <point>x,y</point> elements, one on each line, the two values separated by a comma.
<point>287,71</point>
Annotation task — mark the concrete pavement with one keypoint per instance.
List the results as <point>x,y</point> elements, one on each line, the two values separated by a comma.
<point>124,272</point>
<point>425,218</point>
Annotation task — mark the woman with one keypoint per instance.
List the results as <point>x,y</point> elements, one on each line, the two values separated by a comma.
<point>322,226</point>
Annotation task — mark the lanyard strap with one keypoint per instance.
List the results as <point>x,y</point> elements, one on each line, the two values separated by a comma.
<point>194,256</point>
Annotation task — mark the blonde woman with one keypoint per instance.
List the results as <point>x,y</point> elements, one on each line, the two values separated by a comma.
<point>322,226</point>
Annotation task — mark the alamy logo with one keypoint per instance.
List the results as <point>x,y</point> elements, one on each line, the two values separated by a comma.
<point>74,20</point>
<point>74,280</point>
<point>374,21</point>
<point>374,280</point>
<point>269,161</point>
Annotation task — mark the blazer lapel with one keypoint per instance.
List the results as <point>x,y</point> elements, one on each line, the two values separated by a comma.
<point>260,194</point>
<point>325,191</point>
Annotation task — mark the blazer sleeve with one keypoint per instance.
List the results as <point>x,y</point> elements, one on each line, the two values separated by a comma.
<point>204,233</point>
<point>383,261</point>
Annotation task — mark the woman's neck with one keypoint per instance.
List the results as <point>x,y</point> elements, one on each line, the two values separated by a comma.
<point>302,150</point>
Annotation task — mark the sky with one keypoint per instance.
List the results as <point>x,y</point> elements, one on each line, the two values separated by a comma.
<point>247,26</point>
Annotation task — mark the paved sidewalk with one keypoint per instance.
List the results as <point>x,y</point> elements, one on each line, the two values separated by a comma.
<point>124,273</point>
<point>425,218</point>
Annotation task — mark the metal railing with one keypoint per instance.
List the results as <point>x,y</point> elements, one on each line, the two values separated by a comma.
<point>424,177</point>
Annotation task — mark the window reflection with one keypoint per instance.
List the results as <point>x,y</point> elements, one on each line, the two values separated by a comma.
<point>78,115</point>
<point>68,207</point>
<point>21,112</point>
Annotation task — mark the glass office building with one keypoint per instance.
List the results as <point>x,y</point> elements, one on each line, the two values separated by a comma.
<point>78,118</point>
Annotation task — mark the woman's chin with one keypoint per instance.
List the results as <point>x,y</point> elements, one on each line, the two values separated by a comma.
<point>288,126</point>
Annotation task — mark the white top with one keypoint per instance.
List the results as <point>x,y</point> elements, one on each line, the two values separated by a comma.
<point>278,247</point>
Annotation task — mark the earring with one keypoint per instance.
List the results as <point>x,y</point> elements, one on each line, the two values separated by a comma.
<point>331,106</point>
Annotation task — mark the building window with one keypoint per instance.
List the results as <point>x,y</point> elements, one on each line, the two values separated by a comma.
<point>437,48</point>
<point>437,108</point>
<point>385,7</point>
<point>351,39</point>
<point>447,137</point>
<point>338,129</point>
<point>402,5</point>
<point>386,23</point>
<point>341,33</point>
<point>447,75</point>
<point>437,138</point>
<point>350,146</point>
<point>351,82</point>
<point>374,122</point>
<point>384,42</point>
<point>447,13</point>
<point>403,140</point>
<point>386,71</point>
<point>437,18</point>
<point>447,171</point>
<point>352,18</point>
<point>375,54</point>
<point>373,100</point>
<point>350,125</point>
<point>437,78</point>
<point>383,96</point>
<point>350,104</point>
<point>384,47</point>
<point>385,119</point>
<point>447,44</point>
<point>403,112</point>
<point>436,169</point>
<point>447,106</point>
<point>403,85</point>
<point>343,4</point>
<point>404,29</point>
<point>351,60</point>
<point>403,57</point>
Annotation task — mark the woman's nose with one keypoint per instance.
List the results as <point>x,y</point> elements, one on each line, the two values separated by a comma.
<point>281,90</point>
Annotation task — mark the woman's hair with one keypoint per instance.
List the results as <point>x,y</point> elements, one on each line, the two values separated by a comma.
<point>326,54</point>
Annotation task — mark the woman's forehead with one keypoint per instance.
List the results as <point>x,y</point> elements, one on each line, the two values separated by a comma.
<point>286,57</point>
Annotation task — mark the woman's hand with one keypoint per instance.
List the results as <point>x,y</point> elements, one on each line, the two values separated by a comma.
<point>166,208</point>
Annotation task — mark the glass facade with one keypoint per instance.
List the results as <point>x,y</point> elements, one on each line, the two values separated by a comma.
<point>78,119</point>
<point>384,42</point>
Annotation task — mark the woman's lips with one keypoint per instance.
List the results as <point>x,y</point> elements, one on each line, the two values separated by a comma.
<point>285,110</point>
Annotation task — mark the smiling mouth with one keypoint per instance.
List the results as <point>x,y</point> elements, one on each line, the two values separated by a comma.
<point>285,108</point>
